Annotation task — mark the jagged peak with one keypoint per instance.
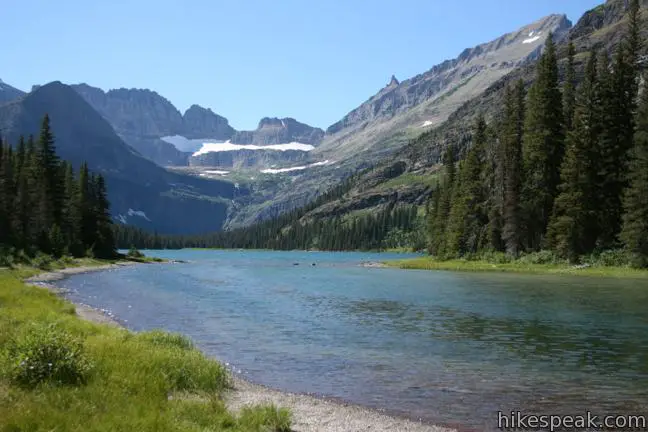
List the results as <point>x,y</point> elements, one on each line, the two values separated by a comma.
<point>393,81</point>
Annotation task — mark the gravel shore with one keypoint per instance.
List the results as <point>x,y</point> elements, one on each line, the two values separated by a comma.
<point>310,414</point>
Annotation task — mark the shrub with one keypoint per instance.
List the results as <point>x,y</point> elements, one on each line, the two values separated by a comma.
<point>170,340</point>
<point>265,418</point>
<point>610,258</point>
<point>541,257</point>
<point>42,261</point>
<point>134,253</point>
<point>495,257</point>
<point>46,353</point>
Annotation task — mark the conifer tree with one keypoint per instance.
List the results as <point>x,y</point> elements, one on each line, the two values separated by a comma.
<point>467,216</point>
<point>512,132</point>
<point>635,219</point>
<point>569,88</point>
<point>542,146</point>
<point>50,164</point>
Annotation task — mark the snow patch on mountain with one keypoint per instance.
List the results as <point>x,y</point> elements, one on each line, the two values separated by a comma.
<point>297,168</point>
<point>139,213</point>
<point>427,123</point>
<point>185,144</point>
<point>209,147</point>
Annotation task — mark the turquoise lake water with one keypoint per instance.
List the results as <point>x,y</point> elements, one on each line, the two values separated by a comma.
<point>449,348</point>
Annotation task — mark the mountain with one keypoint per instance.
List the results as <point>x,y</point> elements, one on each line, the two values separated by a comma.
<point>8,93</point>
<point>199,122</point>
<point>426,100</point>
<point>274,142</point>
<point>141,192</point>
<point>402,111</point>
<point>149,123</point>
<point>279,131</point>
<point>408,176</point>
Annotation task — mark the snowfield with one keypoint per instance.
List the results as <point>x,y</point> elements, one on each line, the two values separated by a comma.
<point>210,147</point>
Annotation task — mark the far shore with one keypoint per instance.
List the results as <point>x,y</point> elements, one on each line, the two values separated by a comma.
<point>310,413</point>
<point>430,263</point>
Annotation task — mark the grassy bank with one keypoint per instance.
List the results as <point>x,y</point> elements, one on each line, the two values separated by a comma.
<point>58,372</point>
<point>431,263</point>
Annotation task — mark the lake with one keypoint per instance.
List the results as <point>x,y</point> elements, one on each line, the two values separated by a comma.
<point>449,348</point>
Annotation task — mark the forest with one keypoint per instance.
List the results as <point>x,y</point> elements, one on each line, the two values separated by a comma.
<point>564,169</point>
<point>46,208</point>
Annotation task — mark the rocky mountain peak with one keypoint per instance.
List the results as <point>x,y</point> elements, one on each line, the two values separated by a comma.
<point>273,130</point>
<point>202,122</point>
<point>393,81</point>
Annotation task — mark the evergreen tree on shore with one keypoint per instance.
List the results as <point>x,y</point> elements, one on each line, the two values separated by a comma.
<point>41,204</point>
<point>542,147</point>
<point>635,220</point>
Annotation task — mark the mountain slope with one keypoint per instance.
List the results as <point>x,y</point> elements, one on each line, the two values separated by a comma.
<point>402,111</point>
<point>426,100</point>
<point>141,192</point>
<point>410,175</point>
<point>9,93</point>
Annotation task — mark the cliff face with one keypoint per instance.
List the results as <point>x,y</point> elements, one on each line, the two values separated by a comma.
<point>279,131</point>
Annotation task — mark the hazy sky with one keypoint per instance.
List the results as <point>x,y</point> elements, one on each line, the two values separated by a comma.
<point>313,60</point>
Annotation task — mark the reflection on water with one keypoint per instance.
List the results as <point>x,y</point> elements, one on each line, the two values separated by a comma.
<point>450,348</point>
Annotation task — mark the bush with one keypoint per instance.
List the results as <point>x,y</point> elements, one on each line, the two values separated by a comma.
<point>495,257</point>
<point>266,418</point>
<point>541,257</point>
<point>46,353</point>
<point>42,261</point>
<point>610,258</point>
<point>170,340</point>
<point>134,253</point>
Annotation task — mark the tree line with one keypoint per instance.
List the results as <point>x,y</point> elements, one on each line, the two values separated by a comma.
<point>46,207</point>
<point>564,168</point>
<point>391,227</point>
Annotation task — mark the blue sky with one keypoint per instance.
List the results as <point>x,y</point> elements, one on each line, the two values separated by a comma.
<point>313,60</point>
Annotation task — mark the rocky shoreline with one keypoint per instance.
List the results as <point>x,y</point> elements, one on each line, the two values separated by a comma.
<point>310,413</point>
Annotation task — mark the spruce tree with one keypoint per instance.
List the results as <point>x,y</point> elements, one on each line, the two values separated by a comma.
<point>542,146</point>
<point>569,89</point>
<point>635,220</point>
<point>512,133</point>
<point>442,211</point>
<point>105,242</point>
<point>572,230</point>
<point>467,217</point>
<point>52,182</point>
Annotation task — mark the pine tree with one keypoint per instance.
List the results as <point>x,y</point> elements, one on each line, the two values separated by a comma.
<point>572,230</point>
<point>104,246</point>
<point>569,89</point>
<point>513,129</point>
<point>442,210</point>
<point>614,146</point>
<point>542,146</point>
<point>49,163</point>
<point>635,219</point>
<point>467,216</point>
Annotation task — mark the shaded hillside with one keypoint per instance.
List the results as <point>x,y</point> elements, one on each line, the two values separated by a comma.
<point>141,192</point>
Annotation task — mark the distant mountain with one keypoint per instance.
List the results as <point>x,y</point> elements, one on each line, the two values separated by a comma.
<point>403,110</point>
<point>408,176</point>
<point>199,122</point>
<point>141,193</point>
<point>156,129</point>
<point>8,93</point>
<point>279,131</point>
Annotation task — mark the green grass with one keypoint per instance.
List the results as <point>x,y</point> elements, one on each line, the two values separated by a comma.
<point>150,381</point>
<point>431,263</point>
